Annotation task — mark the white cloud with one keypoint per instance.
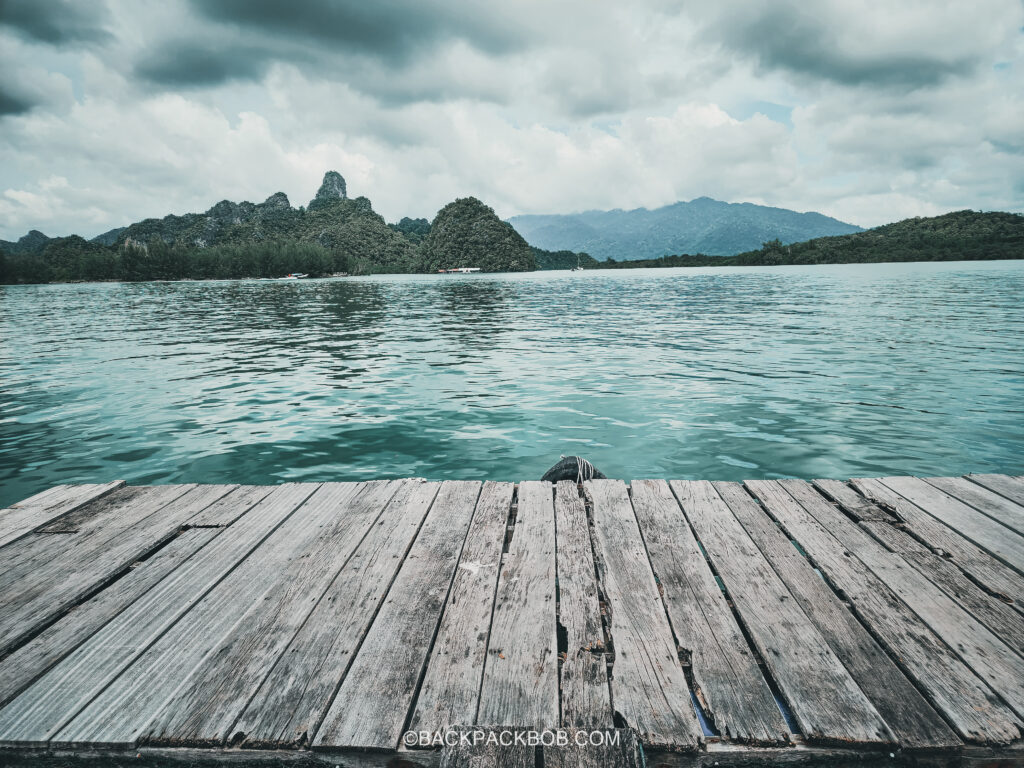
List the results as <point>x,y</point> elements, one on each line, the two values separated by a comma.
<point>570,107</point>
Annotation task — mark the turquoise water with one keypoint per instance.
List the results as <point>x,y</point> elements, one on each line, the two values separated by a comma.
<point>728,373</point>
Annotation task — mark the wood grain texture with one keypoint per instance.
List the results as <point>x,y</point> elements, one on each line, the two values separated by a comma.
<point>31,660</point>
<point>203,711</point>
<point>987,502</point>
<point>64,569</point>
<point>856,506</point>
<point>981,650</point>
<point>971,707</point>
<point>117,510</point>
<point>372,705</point>
<point>520,684</point>
<point>583,678</point>
<point>1005,623</point>
<point>191,684</point>
<point>620,748</point>
<point>968,556</point>
<point>46,706</point>
<point>26,516</point>
<point>230,508</point>
<point>295,696</point>
<point>726,677</point>
<point>908,715</point>
<point>988,534</point>
<point>649,688</point>
<point>489,748</point>
<point>826,702</point>
<point>1008,487</point>
<point>450,693</point>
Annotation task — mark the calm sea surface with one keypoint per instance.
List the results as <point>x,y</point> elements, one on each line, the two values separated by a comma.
<point>728,373</point>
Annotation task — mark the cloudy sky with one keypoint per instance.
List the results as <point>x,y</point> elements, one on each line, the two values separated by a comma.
<point>111,112</point>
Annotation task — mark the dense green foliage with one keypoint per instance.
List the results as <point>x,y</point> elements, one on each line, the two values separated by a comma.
<point>271,239</point>
<point>414,230</point>
<point>69,259</point>
<point>468,233</point>
<point>562,259</point>
<point>338,234</point>
<point>958,236</point>
<point>699,226</point>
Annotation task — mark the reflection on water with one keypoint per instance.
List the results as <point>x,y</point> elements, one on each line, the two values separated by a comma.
<point>715,373</point>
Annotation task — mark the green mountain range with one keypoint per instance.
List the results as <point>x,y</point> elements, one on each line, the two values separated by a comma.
<point>334,233</point>
<point>699,226</point>
<point>957,236</point>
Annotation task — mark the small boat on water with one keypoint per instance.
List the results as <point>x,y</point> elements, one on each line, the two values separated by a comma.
<point>578,267</point>
<point>294,276</point>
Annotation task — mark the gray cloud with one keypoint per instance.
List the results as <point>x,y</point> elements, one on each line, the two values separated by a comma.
<point>392,29</point>
<point>188,63</point>
<point>808,41</point>
<point>346,39</point>
<point>12,103</point>
<point>56,21</point>
<point>878,111</point>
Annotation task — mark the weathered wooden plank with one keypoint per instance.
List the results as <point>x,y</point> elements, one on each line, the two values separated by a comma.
<point>981,650</point>
<point>27,516</point>
<point>65,569</point>
<point>973,709</point>
<point>31,660</point>
<point>1005,623</point>
<point>228,509</point>
<point>649,689</point>
<point>116,511</point>
<point>726,677</point>
<point>619,748</point>
<point>374,700</point>
<point>585,697</point>
<point>982,499</point>
<point>520,685</point>
<point>988,534</point>
<point>190,685</point>
<point>1007,486</point>
<point>855,505</point>
<point>908,715</point>
<point>488,748</point>
<point>295,696</point>
<point>972,559</point>
<point>46,706</point>
<point>203,711</point>
<point>450,693</point>
<point>826,702</point>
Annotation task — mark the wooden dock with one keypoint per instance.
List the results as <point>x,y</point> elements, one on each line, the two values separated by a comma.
<point>769,622</point>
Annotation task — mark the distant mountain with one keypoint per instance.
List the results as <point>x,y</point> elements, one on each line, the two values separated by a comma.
<point>957,236</point>
<point>109,237</point>
<point>29,243</point>
<point>700,226</point>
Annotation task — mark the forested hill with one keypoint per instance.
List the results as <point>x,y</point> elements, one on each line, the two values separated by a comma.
<point>699,226</point>
<point>957,236</point>
<point>334,233</point>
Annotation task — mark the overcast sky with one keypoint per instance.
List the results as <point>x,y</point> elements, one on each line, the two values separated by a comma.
<point>867,111</point>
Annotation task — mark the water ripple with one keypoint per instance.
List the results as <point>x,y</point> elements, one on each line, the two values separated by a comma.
<point>717,373</point>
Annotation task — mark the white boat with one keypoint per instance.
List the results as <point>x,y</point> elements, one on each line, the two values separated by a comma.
<point>294,276</point>
<point>578,267</point>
